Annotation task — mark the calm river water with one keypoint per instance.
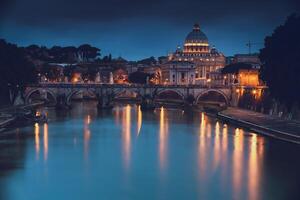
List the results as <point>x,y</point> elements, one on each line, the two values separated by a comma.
<point>126,154</point>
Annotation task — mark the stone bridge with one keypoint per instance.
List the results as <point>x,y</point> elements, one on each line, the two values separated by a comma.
<point>62,93</point>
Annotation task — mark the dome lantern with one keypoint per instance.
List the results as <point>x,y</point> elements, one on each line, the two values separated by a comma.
<point>196,27</point>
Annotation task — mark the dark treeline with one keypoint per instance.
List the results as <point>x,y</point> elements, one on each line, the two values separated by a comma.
<point>281,66</point>
<point>68,54</point>
<point>21,65</point>
<point>280,71</point>
<point>16,70</point>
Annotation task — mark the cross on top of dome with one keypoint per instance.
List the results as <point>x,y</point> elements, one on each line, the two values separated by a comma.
<point>196,27</point>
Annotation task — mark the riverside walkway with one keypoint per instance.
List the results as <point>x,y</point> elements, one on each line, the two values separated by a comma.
<point>8,114</point>
<point>288,130</point>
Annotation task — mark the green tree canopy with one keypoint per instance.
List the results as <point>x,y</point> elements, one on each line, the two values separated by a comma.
<point>280,59</point>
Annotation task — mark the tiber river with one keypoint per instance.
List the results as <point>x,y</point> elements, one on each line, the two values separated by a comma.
<point>126,154</point>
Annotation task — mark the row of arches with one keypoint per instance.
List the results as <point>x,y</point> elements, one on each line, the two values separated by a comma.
<point>164,95</point>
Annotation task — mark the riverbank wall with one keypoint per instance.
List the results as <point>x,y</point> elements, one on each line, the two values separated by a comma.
<point>8,115</point>
<point>270,126</point>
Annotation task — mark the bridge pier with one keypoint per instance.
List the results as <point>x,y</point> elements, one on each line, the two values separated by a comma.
<point>61,102</point>
<point>188,105</point>
<point>104,102</point>
<point>147,103</point>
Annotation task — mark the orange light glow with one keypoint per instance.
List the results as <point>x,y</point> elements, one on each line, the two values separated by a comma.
<point>202,146</point>
<point>139,119</point>
<point>254,172</point>
<point>237,168</point>
<point>126,135</point>
<point>86,135</point>
<point>45,141</point>
<point>217,144</point>
<point>249,77</point>
<point>163,134</point>
<point>37,139</point>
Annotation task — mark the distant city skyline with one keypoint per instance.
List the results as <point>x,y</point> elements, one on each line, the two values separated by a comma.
<point>136,30</point>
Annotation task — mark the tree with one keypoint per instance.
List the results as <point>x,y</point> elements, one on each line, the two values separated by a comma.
<point>68,71</point>
<point>51,72</point>
<point>148,61</point>
<point>138,77</point>
<point>107,58</point>
<point>15,70</point>
<point>90,73</point>
<point>87,52</point>
<point>235,67</point>
<point>280,59</point>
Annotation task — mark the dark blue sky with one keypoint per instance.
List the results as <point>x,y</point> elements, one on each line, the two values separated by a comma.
<point>136,29</point>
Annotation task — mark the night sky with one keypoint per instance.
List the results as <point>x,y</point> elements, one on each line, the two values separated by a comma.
<point>137,29</point>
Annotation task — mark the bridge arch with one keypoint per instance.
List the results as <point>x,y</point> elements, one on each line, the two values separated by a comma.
<point>169,94</point>
<point>214,95</point>
<point>39,92</point>
<point>89,92</point>
<point>127,93</point>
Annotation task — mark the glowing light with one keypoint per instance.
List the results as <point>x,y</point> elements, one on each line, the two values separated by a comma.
<point>196,44</point>
<point>37,139</point>
<point>139,119</point>
<point>38,113</point>
<point>126,135</point>
<point>88,119</point>
<point>217,145</point>
<point>163,133</point>
<point>117,115</point>
<point>224,139</point>
<point>86,135</point>
<point>254,168</point>
<point>202,145</point>
<point>45,141</point>
<point>237,168</point>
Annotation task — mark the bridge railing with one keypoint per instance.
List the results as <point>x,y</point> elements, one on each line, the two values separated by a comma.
<point>106,85</point>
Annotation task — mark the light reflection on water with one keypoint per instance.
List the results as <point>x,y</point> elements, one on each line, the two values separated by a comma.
<point>126,135</point>
<point>45,141</point>
<point>128,154</point>
<point>163,137</point>
<point>37,140</point>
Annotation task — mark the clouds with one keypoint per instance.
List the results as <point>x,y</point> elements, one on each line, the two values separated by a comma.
<point>41,12</point>
<point>141,27</point>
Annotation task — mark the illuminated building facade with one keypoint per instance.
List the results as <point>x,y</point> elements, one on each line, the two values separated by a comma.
<point>178,73</point>
<point>155,71</point>
<point>197,50</point>
<point>243,70</point>
<point>248,77</point>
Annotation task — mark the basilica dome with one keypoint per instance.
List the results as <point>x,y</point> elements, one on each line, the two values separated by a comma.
<point>196,36</point>
<point>196,42</point>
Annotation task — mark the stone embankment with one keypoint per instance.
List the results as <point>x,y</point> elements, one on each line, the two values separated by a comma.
<point>271,126</point>
<point>8,115</point>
